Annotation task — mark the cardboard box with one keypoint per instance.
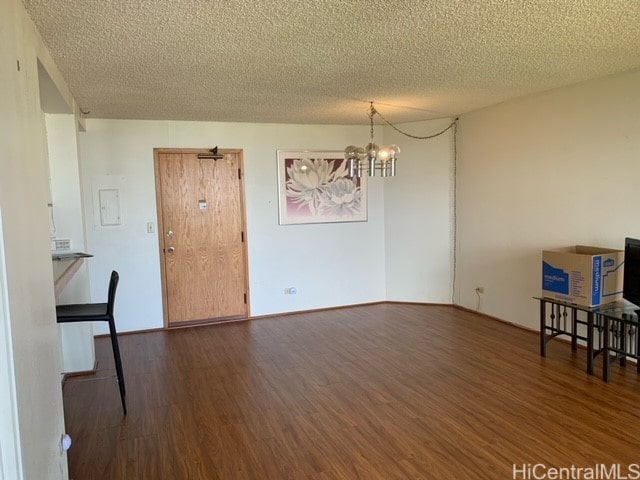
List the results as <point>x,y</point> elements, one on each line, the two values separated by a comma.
<point>588,276</point>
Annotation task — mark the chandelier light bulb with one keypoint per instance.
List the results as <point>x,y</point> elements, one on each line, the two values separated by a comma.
<point>384,154</point>
<point>371,150</point>
<point>351,152</point>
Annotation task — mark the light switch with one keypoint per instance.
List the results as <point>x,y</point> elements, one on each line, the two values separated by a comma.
<point>150,227</point>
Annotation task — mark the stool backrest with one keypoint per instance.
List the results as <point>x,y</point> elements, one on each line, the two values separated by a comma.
<point>111,298</point>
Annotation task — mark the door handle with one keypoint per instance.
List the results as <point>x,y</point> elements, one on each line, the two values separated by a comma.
<point>171,249</point>
<point>170,233</point>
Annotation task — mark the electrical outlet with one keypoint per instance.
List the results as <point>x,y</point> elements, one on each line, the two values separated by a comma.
<point>480,290</point>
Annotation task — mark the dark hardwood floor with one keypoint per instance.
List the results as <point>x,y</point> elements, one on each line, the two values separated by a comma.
<point>385,391</point>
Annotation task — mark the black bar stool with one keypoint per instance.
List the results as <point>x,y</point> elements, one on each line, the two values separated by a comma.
<point>99,312</point>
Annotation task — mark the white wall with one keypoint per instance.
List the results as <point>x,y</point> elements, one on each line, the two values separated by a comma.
<point>24,194</point>
<point>551,170</point>
<point>329,264</point>
<point>539,172</point>
<point>418,214</point>
<point>68,223</point>
<point>65,179</point>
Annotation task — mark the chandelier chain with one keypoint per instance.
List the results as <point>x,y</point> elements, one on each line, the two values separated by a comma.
<point>373,110</point>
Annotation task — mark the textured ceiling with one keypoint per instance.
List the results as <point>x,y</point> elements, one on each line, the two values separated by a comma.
<point>294,61</point>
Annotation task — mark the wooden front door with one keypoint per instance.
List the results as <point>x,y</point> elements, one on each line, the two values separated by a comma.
<point>201,225</point>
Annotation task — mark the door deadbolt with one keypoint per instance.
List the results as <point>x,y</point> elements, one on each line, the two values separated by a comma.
<point>170,233</point>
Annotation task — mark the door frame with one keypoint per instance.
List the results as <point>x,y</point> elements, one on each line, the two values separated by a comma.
<point>10,450</point>
<point>161,236</point>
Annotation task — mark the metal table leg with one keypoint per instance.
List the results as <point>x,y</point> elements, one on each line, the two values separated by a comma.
<point>605,350</point>
<point>543,328</point>
<point>574,329</point>
<point>590,343</point>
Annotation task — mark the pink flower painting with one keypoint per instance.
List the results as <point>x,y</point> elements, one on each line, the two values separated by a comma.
<point>315,187</point>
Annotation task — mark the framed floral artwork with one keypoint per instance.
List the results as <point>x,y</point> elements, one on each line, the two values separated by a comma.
<point>315,187</point>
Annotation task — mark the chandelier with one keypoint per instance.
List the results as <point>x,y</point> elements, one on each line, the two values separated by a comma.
<point>372,158</point>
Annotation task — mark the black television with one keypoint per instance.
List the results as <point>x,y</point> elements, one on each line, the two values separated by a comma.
<point>631,279</point>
